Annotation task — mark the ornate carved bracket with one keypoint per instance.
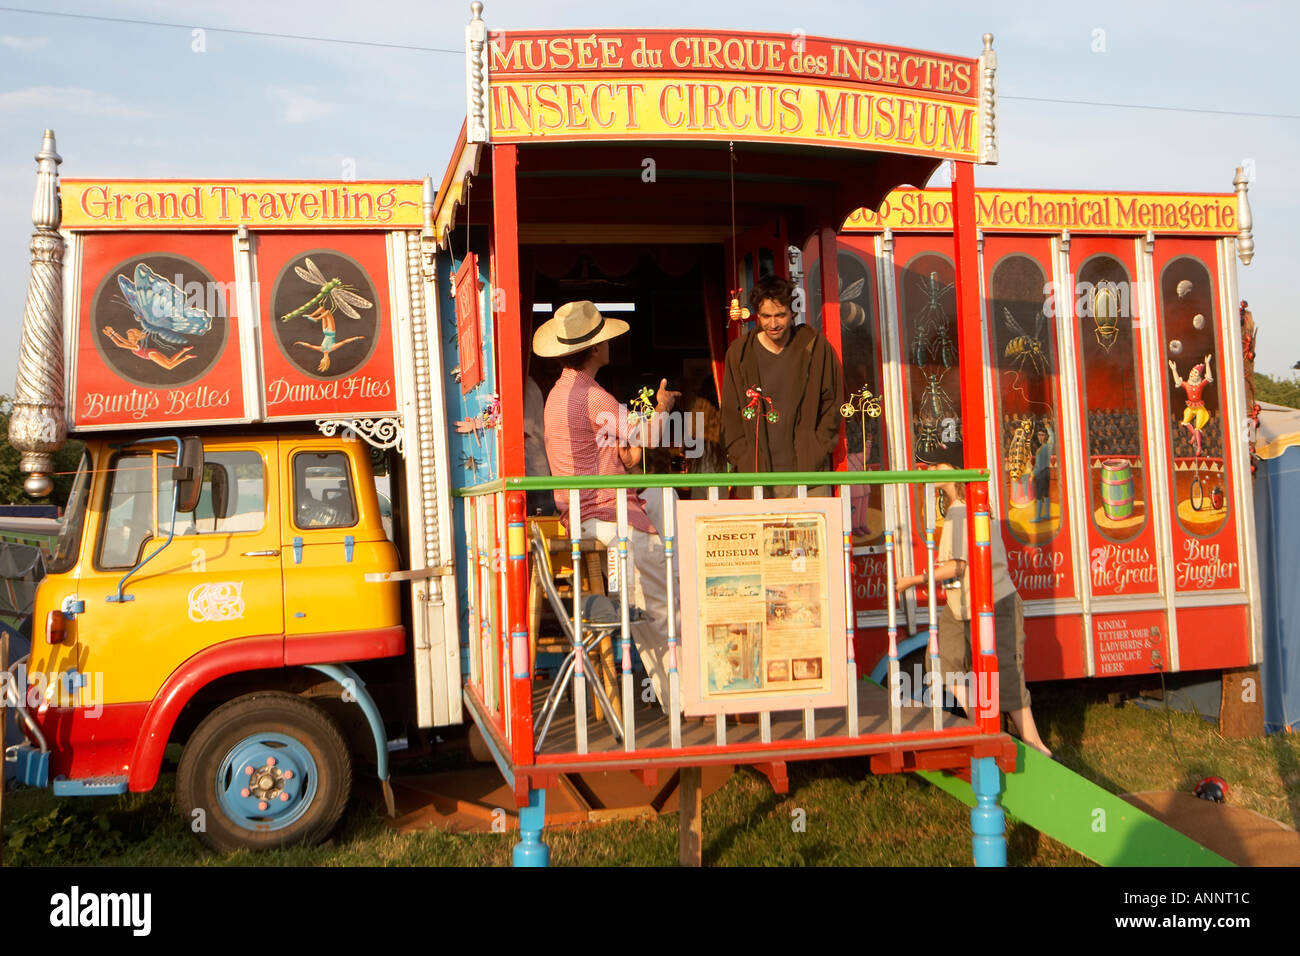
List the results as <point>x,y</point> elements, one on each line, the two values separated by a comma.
<point>381,433</point>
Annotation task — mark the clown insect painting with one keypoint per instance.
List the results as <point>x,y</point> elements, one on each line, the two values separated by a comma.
<point>326,307</point>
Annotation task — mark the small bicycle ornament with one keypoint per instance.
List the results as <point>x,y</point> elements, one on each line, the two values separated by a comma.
<point>750,412</point>
<point>862,405</point>
<point>642,409</point>
<point>756,400</point>
<point>861,402</point>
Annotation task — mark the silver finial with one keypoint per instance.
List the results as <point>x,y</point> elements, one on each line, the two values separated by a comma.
<point>1245,221</point>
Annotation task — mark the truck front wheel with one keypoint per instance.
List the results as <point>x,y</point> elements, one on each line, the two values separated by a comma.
<point>263,771</point>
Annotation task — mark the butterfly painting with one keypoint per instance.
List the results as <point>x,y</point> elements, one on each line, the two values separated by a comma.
<point>159,306</point>
<point>160,309</point>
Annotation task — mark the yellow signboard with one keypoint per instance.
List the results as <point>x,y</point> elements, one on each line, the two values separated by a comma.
<point>1020,210</point>
<point>714,107</point>
<point>172,204</point>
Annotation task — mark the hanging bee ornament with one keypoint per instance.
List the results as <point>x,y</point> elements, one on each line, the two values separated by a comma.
<point>735,311</point>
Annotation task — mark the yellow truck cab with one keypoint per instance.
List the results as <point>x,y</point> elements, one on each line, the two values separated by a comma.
<point>238,563</point>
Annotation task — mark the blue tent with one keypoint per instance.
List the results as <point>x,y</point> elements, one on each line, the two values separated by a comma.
<point>1277,532</point>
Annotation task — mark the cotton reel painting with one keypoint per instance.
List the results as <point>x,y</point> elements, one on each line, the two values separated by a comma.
<point>1023,354</point>
<point>1117,470</point>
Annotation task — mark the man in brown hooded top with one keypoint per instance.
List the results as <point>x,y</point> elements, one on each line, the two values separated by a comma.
<point>793,367</point>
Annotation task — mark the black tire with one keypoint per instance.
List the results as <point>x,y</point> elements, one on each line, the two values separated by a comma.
<point>309,753</point>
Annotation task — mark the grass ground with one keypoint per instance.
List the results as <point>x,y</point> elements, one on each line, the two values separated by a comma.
<point>849,817</point>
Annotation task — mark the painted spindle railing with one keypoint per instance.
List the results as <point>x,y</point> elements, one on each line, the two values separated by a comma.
<point>580,662</point>
<point>932,606</point>
<point>894,683</point>
<point>850,615</point>
<point>492,617</point>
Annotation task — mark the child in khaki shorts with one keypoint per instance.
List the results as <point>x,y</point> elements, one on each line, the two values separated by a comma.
<point>951,569</point>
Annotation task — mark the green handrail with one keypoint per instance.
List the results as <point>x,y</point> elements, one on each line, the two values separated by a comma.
<point>723,480</point>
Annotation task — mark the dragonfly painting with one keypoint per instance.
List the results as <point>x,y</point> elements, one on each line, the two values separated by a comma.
<point>334,295</point>
<point>160,309</point>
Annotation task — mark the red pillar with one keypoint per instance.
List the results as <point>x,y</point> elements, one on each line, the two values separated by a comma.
<point>511,341</point>
<point>974,422</point>
<point>509,323</point>
<point>519,666</point>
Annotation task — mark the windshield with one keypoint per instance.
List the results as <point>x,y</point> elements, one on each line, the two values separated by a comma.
<point>67,546</point>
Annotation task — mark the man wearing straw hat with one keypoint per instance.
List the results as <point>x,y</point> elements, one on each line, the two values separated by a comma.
<point>587,433</point>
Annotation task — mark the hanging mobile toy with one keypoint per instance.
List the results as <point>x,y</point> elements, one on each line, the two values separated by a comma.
<point>751,410</point>
<point>735,311</point>
<point>489,417</point>
<point>642,410</point>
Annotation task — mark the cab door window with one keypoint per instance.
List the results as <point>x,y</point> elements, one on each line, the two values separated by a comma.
<point>323,495</point>
<point>232,499</point>
<point>129,520</point>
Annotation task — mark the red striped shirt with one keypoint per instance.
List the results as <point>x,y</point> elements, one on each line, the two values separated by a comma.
<point>585,425</point>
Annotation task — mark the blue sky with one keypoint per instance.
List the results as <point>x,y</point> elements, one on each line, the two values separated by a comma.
<point>135,100</point>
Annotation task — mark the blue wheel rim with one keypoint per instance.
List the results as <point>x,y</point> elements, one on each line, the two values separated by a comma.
<point>275,794</point>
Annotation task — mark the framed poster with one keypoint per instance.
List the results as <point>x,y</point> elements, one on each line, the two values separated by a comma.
<point>467,324</point>
<point>762,605</point>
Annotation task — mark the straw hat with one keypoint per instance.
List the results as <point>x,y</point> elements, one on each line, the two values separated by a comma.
<point>574,327</point>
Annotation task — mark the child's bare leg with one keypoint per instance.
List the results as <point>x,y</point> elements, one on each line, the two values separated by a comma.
<point>1023,719</point>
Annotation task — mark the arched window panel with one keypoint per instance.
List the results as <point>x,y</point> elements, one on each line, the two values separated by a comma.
<point>928,338</point>
<point>1114,430</point>
<point>860,352</point>
<point>1201,489</point>
<point>1193,361</point>
<point>1116,461</point>
<point>1026,420</point>
<point>1024,357</point>
<point>925,284</point>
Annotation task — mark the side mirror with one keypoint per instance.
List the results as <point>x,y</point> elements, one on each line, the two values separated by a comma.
<point>188,475</point>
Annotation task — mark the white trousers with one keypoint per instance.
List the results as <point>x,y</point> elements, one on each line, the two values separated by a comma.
<point>649,575</point>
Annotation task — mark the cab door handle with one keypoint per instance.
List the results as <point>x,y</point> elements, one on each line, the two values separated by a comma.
<point>273,553</point>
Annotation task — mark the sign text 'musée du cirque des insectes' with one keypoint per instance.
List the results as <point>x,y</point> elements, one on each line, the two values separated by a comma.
<point>781,87</point>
